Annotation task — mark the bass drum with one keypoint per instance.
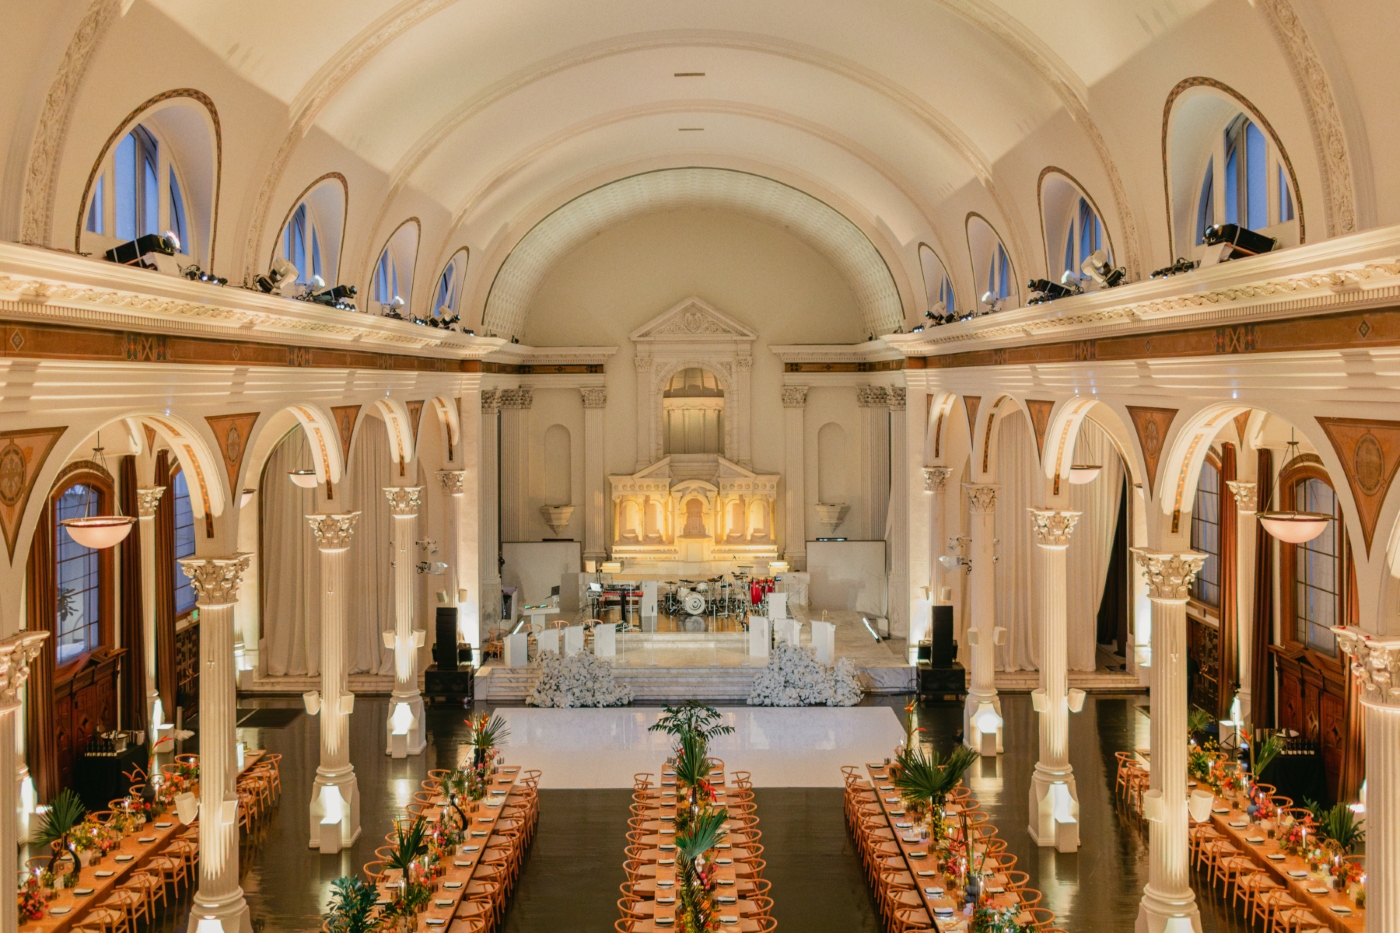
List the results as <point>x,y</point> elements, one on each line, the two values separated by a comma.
<point>692,603</point>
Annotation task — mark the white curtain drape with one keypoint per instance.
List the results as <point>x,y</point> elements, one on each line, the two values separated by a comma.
<point>291,563</point>
<point>1017,570</point>
<point>1091,544</point>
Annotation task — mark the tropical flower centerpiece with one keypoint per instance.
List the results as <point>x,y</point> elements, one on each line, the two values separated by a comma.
<point>354,907</point>
<point>695,875</point>
<point>32,897</point>
<point>998,920</point>
<point>925,780</point>
<point>414,891</point>
<point>61,822</point>
<point>485,733</point>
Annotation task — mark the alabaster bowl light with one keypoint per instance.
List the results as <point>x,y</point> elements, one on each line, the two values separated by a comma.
<point>1294,527</point>
<point>1079,475</point>
<point>246,497</point>
<point>306,479</point>
<point>100,531</point>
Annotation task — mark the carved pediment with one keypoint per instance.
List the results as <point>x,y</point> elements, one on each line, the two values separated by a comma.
<point>692,319</point>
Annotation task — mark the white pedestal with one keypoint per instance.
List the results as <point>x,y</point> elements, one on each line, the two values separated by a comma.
<point>648,606</point>
<point>548,641</point>
<point>759,636</point>
<point>516,647</point>
<point>335,811</point>
<point>573,640</point>
<point>777,605</point>
<point>407,731</point>
<point>788,630</point>
<point>824,640</point>
<point>1055,812</point>
<point>605,640</point>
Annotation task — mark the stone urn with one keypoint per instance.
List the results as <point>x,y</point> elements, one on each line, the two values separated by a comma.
<point>831,515</point>
<point>557,516</point>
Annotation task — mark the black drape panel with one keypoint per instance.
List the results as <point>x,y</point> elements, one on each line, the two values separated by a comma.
<point>133,634</point>
<point>1113,605</point>
<point>1261,698</point>
<point>165,588</point>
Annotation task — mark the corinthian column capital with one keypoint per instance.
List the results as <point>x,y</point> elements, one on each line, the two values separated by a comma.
<point>935,478</point>
<point>147,499</point>
<point>1053,526</point>
<point>1375,663</point>
<point>333,531</point>
<point>404,500</point>
<point>1246,494</point>
<point>15,654</point>
<point>453,481</point>
<point>794,396</point>
<point>215,580</point>
<point>982,497</point>
<point>594,397</point>
<point>1169,574</point>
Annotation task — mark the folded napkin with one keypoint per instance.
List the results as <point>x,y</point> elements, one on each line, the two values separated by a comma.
<point>437,921</point>
<point>452,885</point>
<point>1297,874</point>
<point>728,918</point>
<point>727,898</point>
<point>1339,909</point>
<point>664,920</point>
<point>1254,840</point>
<point>918,855</point>
<point>896,812</point>
<point>926,874</point>
<point>146,839</point>
<point>666,846</point>
<point>1276,856</point>
<point>940,909</point>
<point>724,861</point>
<point>891,800</point>
<point>1241,824</point>
<point>666,861</point>
<point>81,892</point>
<point>443,902</point>
<point>934,892</point>
<point>886,787</point>
<point>462,862</point>
<point>1317,890</point>
<point>59,911</point>
<point>904,825</point>
<point>909,837</point>
<point>996,890</point>
<point>1220,810</point>
<point>471,848</point>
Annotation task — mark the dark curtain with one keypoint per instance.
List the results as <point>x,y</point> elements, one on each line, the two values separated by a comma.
<point>42,609</point>
<point>134,661</point>
<point>1113,605</point>
<point>1261,698</point>
<point>1229,675</point>
<point>165,587</point>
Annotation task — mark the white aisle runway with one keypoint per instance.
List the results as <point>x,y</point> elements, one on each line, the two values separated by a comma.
<point>780,747</point>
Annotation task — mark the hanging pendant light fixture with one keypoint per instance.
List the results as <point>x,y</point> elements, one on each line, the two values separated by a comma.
<point>1080,475</point>
<point>306,479</point>
<point>97,531</point>
<point>1289,526</point>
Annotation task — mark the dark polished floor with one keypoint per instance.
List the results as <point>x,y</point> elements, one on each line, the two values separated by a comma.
<point>571,880</point>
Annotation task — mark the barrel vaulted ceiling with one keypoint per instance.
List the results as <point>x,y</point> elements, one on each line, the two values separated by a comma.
<point>482,117</point>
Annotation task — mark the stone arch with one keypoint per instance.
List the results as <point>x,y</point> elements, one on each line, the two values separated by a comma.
<point>450,421</point>
<point>400,427</point>
<point>327,456</point>
<point>984,435</point>
<point>1063,432</point>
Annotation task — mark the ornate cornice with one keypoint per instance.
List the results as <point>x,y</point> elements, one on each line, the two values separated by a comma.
<point>1053,526</point>
<point>794,396</point>
<point>982,497</point>
<point>216,580</point>
<point>1169,574</point>
<point>935,478</point>
<point>333,531</point>
<point>15,654</point>
<point>453,481</point>
<point>1246,493</point>
<point>404,500</point>
<point>147,499</point>
<point>594,397</point>
<point>1375,663</point>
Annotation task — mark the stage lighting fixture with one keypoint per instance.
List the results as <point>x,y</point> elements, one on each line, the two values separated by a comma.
<point>1098,268</point>
<point>1181,265</point>
<point>1047,290</point>
<point>392,309</point>
<point>336,297</point>
<point>1243,241</point>
<point>993,303</point>
<point>135,252</point>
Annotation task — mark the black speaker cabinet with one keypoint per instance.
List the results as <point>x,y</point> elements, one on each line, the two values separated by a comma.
<point>445,649</point>
<point>941,647</point>
<point>456,686</point>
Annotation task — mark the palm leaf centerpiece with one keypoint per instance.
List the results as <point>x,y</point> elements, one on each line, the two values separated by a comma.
<point>694,873</point>
<point>925,780</point>
<point>353,906</point>
<point>485,733</point>
<point>60,820</point>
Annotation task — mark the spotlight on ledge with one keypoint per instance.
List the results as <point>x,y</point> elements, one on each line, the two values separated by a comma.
<point>338,296</point>
<point>993,303</point>
<point>281,279</point>
<point>1046,290</point>
<point>135,252</point>
<point>1098,268</point>
<point>195,274</point>
<point>1181,265</point>
<point>1241,242</point>
<point>393,309</point>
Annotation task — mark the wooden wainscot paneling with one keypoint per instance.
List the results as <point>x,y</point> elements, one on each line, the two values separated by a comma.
<point>85,703</point>
<point>1312,702</point>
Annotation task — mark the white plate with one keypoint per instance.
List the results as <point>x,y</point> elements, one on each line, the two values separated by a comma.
<point>1339,909</point>
<point>665,861</point>
<point>485,819</point>
<point>105,873</point>
<point>1220,810</point>
<point>437,921</point>
<point>1240,825</point>
<point>471,848</point>
<point>462,862</point>
<point>499,793</point>
<point>81,892</point>
<point>725,881</point>
<point>891,800</point>
<point>452,885</point>
<point>665,884</point>
<point>943,911</point>
<point>725,899</point>
<point>724,861</point>
<point>926,874</point>
<point>443,902</point>
<point>665,921</point>
<point>728,918</point>
<point>59,911</point>
<point>1276,856</point>
<point>478,833</point>
<point>718,845</point>
<point>934,892</point>
<point>1317,890</point>
<point>125,858</point>
<point>670,899</point>
<point>165,825</point>
<point>1254,840</point>
<point>905,825</point>
<point>918,855</point>
<point>146,840</point>
<point>1297,874</point>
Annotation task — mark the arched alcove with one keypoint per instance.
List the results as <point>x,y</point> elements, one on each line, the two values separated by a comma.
<point>312,235</point>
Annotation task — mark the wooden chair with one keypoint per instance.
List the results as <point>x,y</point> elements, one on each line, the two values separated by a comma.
<point>1042,918</point>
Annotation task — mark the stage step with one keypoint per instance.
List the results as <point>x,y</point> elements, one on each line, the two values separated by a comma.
<point>513,685</point>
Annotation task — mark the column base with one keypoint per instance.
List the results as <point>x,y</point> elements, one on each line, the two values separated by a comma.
<point>1054,810</point>
<point>1163,912</point>
<point>982,723</point>
<point>231,911</point>
<point>335,810</point>
<point>406,738</point>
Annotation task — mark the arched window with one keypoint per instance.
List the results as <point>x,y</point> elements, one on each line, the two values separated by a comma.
<point>301,245</point>
<point>1084,237</point>
<point>1074,228</point>
<point>386,279</point>
<point>1205,533</point>
<point>1313,571</point>
<point>991,264</point>
<point>1249,193</point>
<point>312,232</point>
<point>185,598</point>
<point>447,298</point>
<point>82,576</point>
<point>138,191</point>
<point>999,274</point>
<point>938,287</point>
<point>393,272</point>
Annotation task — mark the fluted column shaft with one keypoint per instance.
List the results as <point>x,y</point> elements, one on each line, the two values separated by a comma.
<point>936,485</point>
<point>899,599</point>
<point>982,691</point>
<point>1246,504</point>
<point>216,582</point>
<point>490,509</point>
<point>795,467</point>
<point>403,506</point>
<point>1168,899</point>
<point>1054,798</point>
<point>595,478</point>
<point>147,500</point>
<point>15,654</point>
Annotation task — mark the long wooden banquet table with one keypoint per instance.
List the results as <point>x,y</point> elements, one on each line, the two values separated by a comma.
<point>104,875</point>
<point>944,912</point>
<point>453,884</point>
<point>658,888</point>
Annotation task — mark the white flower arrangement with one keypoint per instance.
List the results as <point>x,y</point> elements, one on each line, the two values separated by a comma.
<point>580,680</point>
<point>794,677</point>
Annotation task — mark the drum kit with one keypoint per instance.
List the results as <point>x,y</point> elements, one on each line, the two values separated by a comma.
<point>726,596</point>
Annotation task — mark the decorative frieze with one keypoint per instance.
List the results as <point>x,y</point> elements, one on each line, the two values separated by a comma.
<point>1053,526</point>
<point>935,478</point>
<point>1375,663</point>
<point>216,580</point>
<point>404,500</point>
<point>1246,493</point>
<point>333,531</point>
<point>147,500</point>
<point>794,396</point>
<point>595,397</point>
<point>1169,574</point>
<point>982,497</point>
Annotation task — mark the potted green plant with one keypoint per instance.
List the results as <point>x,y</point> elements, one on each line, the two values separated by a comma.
<point>353,906</point>
<point>62,818</point>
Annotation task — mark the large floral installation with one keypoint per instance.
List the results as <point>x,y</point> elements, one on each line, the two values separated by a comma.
<point>794,677</point>
<point>582,679</point>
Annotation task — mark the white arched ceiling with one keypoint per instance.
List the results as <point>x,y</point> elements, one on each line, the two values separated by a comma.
<point>840,240</point>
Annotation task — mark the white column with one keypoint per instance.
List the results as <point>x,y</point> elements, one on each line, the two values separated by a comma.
<point>454,484</point>
<point>15,654</point>
<point>467,511</point>
<point>646,444</point>
<point>407,730</point>
<point>335,802</point>
<point>982,713</point>
<point>742,411</point>
<point>935,492</point>
<point>490,510</point>
<point>147,501</point>
<point>874,459</point>
<point>1246,503</point>
<point>215,582</point>
<point>1054,797</point>
<point>794,476</point>
<point>899,597</point>
<point>1375,663</point>
<point>920,593</point>
<point>1168,903</point>
<point>595,480</point>
<point>515,462</point>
